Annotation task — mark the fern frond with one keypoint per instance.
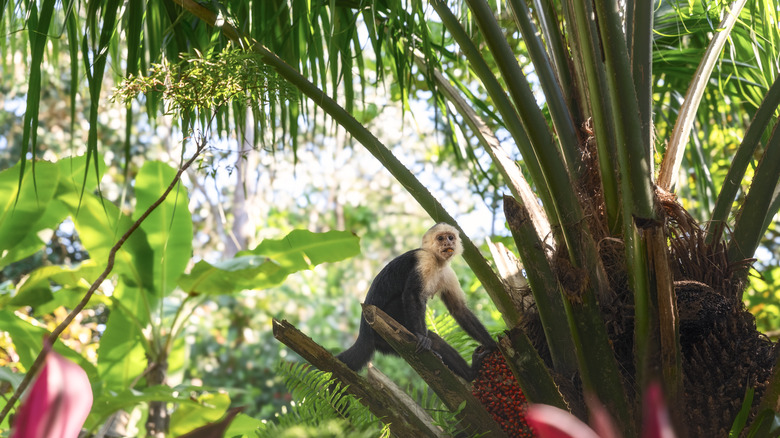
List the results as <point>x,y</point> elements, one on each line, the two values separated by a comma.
<point>444,325</point>
<point>442,416</point>
<point>320,407</point>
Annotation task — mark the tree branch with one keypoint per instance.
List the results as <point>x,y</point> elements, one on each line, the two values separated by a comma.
<point>380,380</point>
<point>402,421</point>
<point>474,418</point>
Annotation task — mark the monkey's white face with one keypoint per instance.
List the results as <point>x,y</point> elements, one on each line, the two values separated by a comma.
<point>446,245</point>
<point>443,241</point>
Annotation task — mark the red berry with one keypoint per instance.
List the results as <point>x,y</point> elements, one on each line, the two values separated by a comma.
<point>497,389</point>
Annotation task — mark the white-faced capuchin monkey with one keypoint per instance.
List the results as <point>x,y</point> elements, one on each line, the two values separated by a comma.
<point>402,290</point>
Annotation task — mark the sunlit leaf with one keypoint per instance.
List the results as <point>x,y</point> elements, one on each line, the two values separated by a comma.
<point>107,403</point>
<point>100,224</point>
<point>169,227</point>
<point>36,289</point>
<point>121,355</point>
<point>18,218</point>
<point>28,342</point>
<point>210,408</point>
<point>270,263</point>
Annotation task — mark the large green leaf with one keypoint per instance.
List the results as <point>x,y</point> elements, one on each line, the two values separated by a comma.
<point>100,225</point>
<point>23,232</point>
<point>72,171</point>
<point>107,403</point>
<point>230,276</point>
<point>26,210</point>
<point>121,355</point>
<point>36,289</point>
<point>271,262</point>
<point>210,408</point>
<point>302,249</point>
<point>243,426</point>
<point>169,227</point>
<point>14,378</point>
<point>28,342</point>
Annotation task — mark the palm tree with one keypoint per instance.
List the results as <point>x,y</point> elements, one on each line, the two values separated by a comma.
<point>598,100</point>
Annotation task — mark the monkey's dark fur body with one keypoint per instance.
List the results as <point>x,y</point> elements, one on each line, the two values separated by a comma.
<point>402,289</point>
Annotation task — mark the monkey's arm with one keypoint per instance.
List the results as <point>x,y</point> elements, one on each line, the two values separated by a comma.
<point>466,319</point>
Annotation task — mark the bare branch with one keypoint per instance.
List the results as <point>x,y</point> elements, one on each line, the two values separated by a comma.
<point>444,382</point>
<point>402,421</point>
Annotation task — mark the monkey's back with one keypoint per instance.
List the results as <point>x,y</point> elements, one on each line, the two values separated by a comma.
<point>386,291</point>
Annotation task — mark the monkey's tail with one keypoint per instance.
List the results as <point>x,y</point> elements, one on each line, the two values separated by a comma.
<point>358,355</point>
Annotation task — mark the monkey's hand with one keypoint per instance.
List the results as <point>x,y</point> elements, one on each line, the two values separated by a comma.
<point>423,343</point>
<point>480,354</point>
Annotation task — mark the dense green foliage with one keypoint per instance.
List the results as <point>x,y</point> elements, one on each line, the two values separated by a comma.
<point>151,287</point>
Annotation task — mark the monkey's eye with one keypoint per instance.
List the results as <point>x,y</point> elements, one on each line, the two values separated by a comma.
<point>451,237</point>
<point>440,238</point>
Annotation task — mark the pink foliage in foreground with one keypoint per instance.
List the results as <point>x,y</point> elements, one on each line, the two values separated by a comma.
<point>58,402</point>
<point>551,422</point>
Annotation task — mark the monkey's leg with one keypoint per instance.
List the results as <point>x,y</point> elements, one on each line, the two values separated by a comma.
<point>451,357</point>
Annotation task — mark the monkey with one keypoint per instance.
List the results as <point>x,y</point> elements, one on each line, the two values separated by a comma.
<point>402,289</point>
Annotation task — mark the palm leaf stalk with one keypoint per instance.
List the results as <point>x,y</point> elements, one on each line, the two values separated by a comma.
<point>530,224</point>
<point>560,113</point>
<point>546,289</point>
<point>591,340</point>
<point>503,105</point>
<point>590,73</point>
<point>509,169</point>
<point>635,170</point>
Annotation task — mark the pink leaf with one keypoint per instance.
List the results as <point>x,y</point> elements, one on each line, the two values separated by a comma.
<point>551,422</point>
<point>656,423</point>
<point>58,402</point>
<point>600,419</point>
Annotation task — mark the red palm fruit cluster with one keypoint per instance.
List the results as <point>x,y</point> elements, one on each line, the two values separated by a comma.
<point>497,389</point>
